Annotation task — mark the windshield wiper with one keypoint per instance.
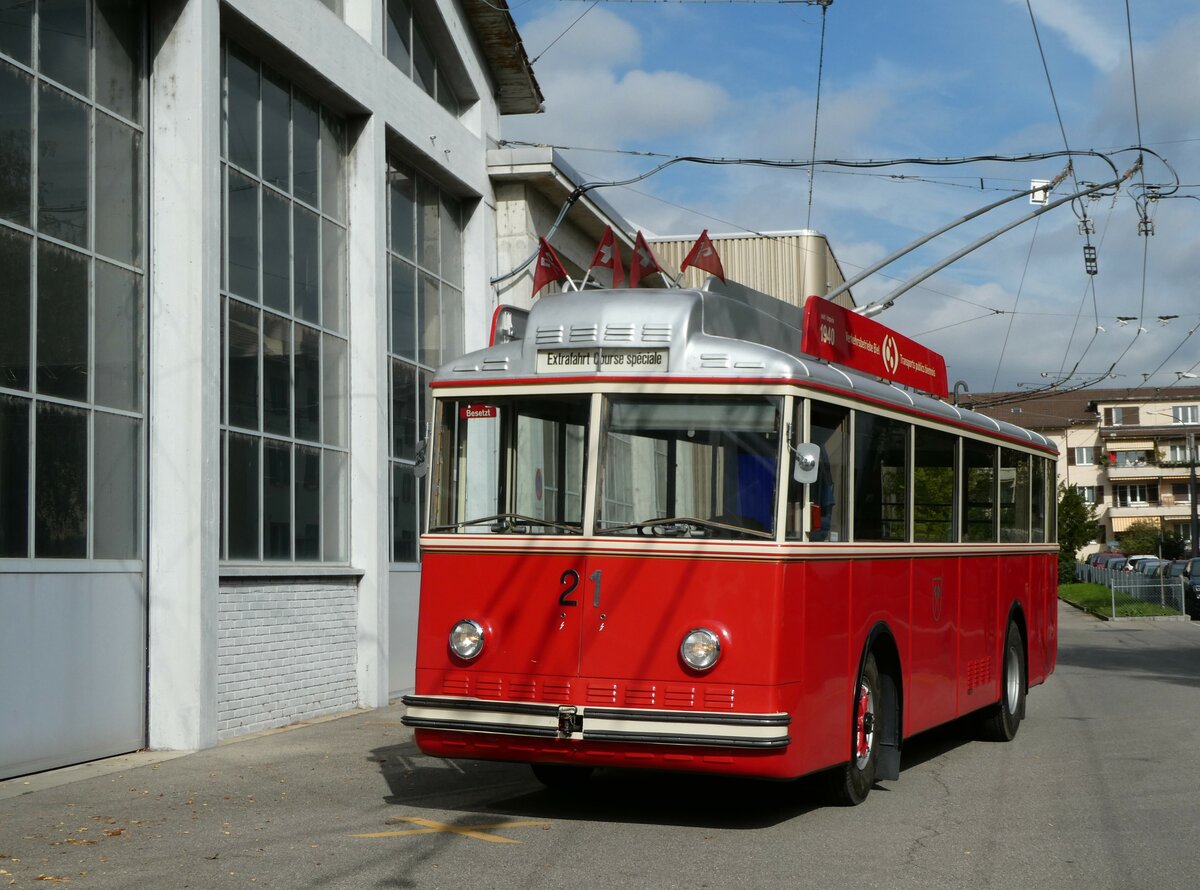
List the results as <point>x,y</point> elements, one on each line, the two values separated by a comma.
<point>683,526</point>
<point>503,523</point>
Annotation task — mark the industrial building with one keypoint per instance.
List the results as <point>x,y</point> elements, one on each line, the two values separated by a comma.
<point>236,238</point>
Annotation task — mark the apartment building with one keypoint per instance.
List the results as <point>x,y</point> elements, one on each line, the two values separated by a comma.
<point>1127,450</point>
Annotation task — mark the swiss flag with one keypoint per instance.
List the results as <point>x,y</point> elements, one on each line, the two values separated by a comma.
<point>704,256</point>
<point>547,267</point>
<point>643,262</point>
<point>608,254</point>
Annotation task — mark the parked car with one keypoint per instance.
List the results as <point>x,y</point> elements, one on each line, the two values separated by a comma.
<point>1148,566</point>
<point>1174,568</point>
<point>1191,587</point>
<point>1115,563</point>
<point>1132,561</point>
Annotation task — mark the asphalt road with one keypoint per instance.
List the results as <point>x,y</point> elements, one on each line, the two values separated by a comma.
<point>1098,790</point>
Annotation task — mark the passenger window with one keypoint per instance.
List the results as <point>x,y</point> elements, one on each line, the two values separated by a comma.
<point>830,430</point>
<point>1014,496</point>
<point>1039,501</point>
<point>979,491</point>
<point>933,486</point>
<point>880,478</point>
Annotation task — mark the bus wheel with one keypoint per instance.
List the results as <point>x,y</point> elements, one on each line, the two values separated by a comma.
<point>851,782</point>
<point>563,776</point>
<point>1002,720</point>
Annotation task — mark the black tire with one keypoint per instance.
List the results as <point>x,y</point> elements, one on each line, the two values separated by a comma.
<point>561,776</point>
<point>850,783</point>
<point>1001,721</point>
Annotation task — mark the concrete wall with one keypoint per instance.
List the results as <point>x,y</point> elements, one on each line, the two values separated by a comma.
<point>215,665</point>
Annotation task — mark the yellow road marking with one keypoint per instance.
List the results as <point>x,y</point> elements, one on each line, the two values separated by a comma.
<point>479,832</point>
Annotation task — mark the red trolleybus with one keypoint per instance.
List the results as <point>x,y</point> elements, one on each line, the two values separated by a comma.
<point>661,535</point>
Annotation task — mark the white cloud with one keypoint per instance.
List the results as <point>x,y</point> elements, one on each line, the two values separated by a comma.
<point>600,39</point>
<point>596,108</point>
<point>596,93</point>
<point>1100,43</point>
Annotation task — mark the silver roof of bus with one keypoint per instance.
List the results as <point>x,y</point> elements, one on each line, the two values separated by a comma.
<point>722,331</point>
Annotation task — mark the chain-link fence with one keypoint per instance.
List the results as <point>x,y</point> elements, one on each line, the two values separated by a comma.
<point>1135,593</point>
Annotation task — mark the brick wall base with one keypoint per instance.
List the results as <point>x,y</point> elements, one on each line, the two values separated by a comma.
<point>287,653</point>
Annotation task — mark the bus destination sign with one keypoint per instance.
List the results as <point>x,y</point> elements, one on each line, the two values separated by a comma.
<point>594,359</point>
<point>838,335</point>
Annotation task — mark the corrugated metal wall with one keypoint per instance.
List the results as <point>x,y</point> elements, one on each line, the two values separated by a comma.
<point>787,265</point>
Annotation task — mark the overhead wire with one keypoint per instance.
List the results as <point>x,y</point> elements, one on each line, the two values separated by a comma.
<point>773,237</point>
<point>586,187</point>
<point>1143,213</point>
<point>1017,302</point>
<point>535,59</point>
<point>812,170</point>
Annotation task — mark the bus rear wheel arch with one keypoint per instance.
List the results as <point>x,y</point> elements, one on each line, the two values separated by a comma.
<point>1000,722</point>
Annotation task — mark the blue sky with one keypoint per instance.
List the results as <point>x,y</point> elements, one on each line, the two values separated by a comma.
<point>929,79</point>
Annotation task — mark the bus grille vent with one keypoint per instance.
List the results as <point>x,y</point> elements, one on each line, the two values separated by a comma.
<point>522,690</point>
<point>718,699</point>
<point>714,360</point>
<point>584,333</point>
<point>618,333</point>
<point>683,697</point>
<point>979,673</point>
<point>656,333</point>
<point>640,696</point>
<point>495,364</point>
<point>456,686</point>
<point>549,336</point>
<point>489,688</point>
<point>602,694</point>
<point>559,692</point>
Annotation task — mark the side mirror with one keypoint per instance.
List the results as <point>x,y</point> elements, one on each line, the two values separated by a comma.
<point>805,458</point>
<point>422,467</point>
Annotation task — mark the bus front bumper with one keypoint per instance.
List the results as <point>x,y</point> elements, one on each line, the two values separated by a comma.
<point>594,724</point>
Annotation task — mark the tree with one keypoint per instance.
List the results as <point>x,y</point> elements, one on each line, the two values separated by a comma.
<point>1142,536</point>
<point>1076,529</point>
<point>1173,546</point>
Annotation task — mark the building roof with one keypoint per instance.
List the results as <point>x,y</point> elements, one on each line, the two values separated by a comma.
<point>1059,410</point>
<point>517,90</point>
<point>547,171</point>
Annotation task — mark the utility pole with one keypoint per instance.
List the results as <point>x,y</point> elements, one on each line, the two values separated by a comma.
<point>1192,493</point>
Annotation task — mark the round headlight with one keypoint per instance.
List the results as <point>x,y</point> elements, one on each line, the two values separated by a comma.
<point>700,649</point>
<point>466,640</point>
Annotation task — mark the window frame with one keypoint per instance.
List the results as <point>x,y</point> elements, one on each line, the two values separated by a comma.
<point>96,405</point>
<point>412,357</point>
<point>321,372</point>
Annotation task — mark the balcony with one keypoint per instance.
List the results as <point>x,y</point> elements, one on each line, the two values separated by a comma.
<point>1148,470</point>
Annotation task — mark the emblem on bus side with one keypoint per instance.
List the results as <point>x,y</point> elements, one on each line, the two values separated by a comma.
<point>937,599</point>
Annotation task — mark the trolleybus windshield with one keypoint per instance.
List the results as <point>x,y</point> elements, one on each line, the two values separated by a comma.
<point>670,466</point>
<point>510,465</point>
<point>694,466</point>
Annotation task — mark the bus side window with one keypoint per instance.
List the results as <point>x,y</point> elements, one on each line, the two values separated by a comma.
<point>978,502</point>
<point>830,431</point>
<point>933,486</point>
<point>880,478</point>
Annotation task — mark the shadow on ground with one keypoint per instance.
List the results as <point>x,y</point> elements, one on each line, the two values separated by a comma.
<point>630,796</point>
